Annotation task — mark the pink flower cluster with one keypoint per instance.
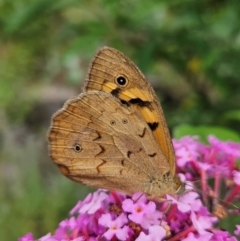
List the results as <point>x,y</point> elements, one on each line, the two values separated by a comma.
<point>115,216</point>
<point>216,162</point>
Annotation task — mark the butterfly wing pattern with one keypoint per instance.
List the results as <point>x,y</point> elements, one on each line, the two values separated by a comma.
<point>111,71</point>
<point>104,140</point>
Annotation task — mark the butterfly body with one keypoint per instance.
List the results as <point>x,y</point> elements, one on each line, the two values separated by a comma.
<point>114,134</point>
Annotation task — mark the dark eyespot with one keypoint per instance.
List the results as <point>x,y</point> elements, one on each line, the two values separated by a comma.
<point>77,148</point>
<point>124,121</point>
<point>121,80</point>
<point>113,122</point>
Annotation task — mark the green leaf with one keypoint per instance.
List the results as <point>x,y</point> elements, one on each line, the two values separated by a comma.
<point>232,115</point>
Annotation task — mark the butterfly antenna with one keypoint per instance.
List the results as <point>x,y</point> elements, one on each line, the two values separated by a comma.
<point>219,199</point>
<point>139,197</point>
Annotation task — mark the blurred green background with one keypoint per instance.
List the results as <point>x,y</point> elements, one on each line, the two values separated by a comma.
<point>189,51</point>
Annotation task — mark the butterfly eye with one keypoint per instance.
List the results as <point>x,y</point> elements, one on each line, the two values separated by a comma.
<point>121,80</point>
<point>124,121</point>
<point>77,148</point>
<point>113,122</point>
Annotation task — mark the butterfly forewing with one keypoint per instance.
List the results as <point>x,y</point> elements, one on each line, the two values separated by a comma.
<point>114,73</point>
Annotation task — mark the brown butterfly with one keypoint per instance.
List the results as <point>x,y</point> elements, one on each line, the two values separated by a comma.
<point>114,134</point>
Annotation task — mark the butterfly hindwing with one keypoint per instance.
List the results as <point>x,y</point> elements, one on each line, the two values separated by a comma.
<point>105,145</point>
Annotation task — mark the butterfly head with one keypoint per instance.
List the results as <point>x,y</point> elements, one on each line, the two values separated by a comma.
<point>179,186</point>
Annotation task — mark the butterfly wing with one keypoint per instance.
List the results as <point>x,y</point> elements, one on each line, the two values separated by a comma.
<point>112,72</point>
<point>99,142</point>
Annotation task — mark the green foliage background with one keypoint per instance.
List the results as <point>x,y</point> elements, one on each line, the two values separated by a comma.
<point>189,51</point>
